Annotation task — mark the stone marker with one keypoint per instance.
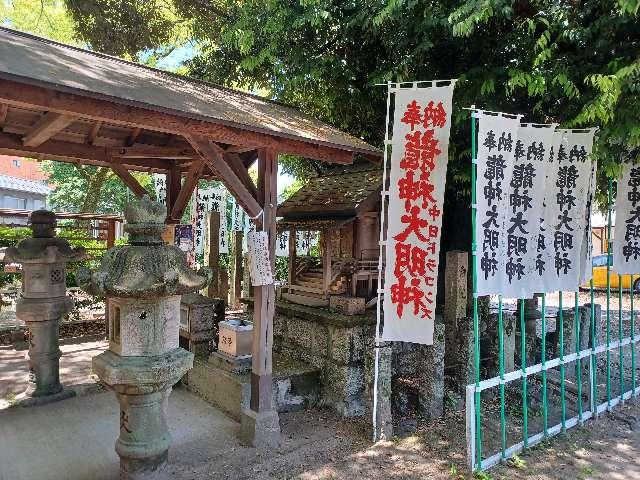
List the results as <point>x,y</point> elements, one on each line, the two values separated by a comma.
<point>143,282</point>
<point>43,303</point>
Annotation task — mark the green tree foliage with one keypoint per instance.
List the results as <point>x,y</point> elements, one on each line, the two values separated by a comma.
<point>90,189</point>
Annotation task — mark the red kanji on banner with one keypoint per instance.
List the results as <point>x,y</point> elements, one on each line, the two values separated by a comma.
<point>434,116</point>
<point>421,151</point>
<point>414,224</point>
<point>411,190</point>
<point>412,115</point>
<point>403,294</point>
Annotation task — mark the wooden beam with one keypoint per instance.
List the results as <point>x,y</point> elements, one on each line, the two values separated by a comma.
<point>235,162</point>
<point>213,155</point>
<point>93,133</point>
<point>133,136</point>
<point>4,109</point>
<point>238,149</point>
<point>174,183</point>
<point>45,128</point>
<point>190,182</point>
<point>11,144</point>
<point>129,180</point>
<point>31,96</point>
<point>153,152</point>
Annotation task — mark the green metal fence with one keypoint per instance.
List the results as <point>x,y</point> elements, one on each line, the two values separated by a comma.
<point>515,408</point>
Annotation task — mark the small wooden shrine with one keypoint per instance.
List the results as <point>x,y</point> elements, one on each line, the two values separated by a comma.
<point>344,207</point>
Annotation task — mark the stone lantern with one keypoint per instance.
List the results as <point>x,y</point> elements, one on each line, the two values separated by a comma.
<point>143,282</point>
<point>42,304</point>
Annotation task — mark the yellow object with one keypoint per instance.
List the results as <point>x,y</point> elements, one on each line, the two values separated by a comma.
<point>600,276</point>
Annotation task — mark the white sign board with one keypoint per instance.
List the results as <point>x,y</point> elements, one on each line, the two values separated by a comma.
<point>259,260</point>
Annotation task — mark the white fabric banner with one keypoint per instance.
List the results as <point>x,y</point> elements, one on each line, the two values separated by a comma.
<point>282,244</point>
<point>497,137</point>
<point>160,184</point>
<point>210,200</point>
<point>586,251</point>
<point>565,204</point>
<point>420,145</point>
<point>525,199</point>
<point>626,238</point>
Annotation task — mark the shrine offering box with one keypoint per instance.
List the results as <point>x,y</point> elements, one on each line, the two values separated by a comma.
<point>234,338</point>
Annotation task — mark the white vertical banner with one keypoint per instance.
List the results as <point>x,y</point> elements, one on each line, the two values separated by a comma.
<point>525,200</point>
<point>626,238</point>
<point>239,218</point>
<point>565,205</point>
<point>210,200</point>
<point>586,251</point>
<point>418,171</point>
<point>282,243</point>
<point>160,184</point>
<point>497,137</point>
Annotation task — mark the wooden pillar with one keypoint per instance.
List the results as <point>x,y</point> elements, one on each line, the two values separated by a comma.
<point>111,233</point>
<point>214,254</point>
<point>292,256</point>
<point>260,424</point>
<point>326,261</point>
<point>236,270</point>
<point>174,183</point>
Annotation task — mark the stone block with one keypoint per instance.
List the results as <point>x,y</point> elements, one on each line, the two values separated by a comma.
<point>346,305</point>
<point>431,375</point>
<point>347,345</point>
<point>455,302</point>
<point>308,335</point>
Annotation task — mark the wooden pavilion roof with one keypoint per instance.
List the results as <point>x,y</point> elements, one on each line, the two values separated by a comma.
<point>64,103</point>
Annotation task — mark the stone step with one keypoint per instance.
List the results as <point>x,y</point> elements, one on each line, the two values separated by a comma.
<point>307,299</point>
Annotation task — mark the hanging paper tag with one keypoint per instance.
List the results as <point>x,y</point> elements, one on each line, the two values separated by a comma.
<point>259,261</point>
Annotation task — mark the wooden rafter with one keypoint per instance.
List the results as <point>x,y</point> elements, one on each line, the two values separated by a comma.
<point>93,133</point>
<point>190,182</point>
<point>31,96</point>
<point>4,108</point>
<point>45,128</point>
<point>235,162</point>
<point>214,157</point>
<point>133,136</point>
<point>11,144</point>
<point>153,152</point>
<point>129,180</point>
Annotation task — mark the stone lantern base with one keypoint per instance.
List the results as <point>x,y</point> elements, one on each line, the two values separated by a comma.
<point>143,386</point>
<point>42,317</point>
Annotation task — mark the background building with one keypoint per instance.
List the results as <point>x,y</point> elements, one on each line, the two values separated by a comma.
<point>23,186</point>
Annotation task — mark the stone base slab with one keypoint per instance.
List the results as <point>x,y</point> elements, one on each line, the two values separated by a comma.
<point>26,400</point>
<point>260,429</point>
<point>224,361</point>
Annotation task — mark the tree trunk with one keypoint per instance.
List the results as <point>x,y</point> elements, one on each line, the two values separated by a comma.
<point>94,189</point>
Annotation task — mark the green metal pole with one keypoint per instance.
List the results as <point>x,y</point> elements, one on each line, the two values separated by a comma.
<point>562,386</point>
<point>594,341</point>
<point>476,322</point>
<point>633,343</point>
<point>503,423</point>
<point>578,360</point>
<point>608,326</point>
<point>523,362</point>
<point>545,405</point>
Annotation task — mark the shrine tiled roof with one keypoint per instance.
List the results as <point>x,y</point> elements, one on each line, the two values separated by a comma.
<point>346,192</point>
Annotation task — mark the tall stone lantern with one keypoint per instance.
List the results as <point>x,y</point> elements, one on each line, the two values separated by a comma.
<point>42,304</point>
<point>143,283</point>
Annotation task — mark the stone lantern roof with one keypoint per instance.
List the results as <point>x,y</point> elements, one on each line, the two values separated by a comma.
<point>43,245</point>
<point>146,266</point>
